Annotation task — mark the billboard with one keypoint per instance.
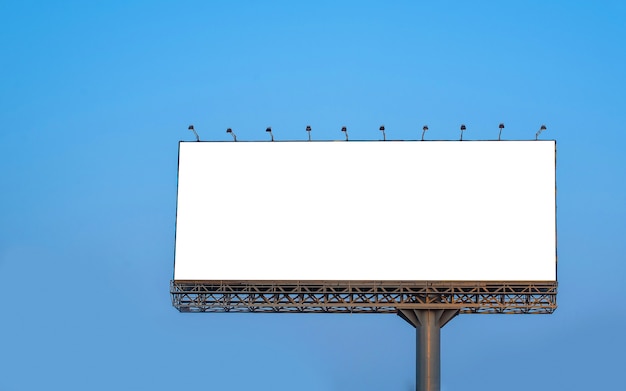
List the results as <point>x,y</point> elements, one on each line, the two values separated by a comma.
<point>366,211</point>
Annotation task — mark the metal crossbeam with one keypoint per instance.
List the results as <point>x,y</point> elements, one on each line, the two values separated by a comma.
<point>518,297</point>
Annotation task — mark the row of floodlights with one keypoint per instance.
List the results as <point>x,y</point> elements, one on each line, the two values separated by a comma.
<point>382,129</point>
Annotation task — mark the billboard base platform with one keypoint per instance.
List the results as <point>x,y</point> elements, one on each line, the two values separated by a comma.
<point>482,297</point>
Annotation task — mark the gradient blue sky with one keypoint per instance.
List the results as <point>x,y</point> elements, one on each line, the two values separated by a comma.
<point>94,97</point>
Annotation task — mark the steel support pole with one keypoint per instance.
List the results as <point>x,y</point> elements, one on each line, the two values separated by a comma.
<point>428,348</point>
<point>428,324</point>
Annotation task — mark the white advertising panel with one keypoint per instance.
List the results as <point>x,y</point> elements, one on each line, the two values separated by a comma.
<point>366,210</point>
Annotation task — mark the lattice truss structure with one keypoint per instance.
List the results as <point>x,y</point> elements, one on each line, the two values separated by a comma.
<point>519,297</point>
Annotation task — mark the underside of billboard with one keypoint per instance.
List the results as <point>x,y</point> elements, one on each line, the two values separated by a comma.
<point>366,226</point>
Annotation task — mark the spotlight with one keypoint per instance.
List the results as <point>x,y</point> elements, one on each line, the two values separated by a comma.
<point>194,132</point>
<point>424,129</point>
<point>541,129</point>
<point>308,130</point>
<point>345,130</point>
<point>269,130</point>
<point>462,129</point>
<point>501,126</point>
<point>229,130</point>
<point>382,129</point>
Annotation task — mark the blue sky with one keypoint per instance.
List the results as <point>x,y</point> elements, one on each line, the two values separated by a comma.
<point>94,97</point>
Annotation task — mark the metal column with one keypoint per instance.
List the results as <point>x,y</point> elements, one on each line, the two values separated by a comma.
<point>428,324</point>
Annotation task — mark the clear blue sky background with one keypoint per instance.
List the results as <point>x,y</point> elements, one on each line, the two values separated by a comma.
<point>94,97</point>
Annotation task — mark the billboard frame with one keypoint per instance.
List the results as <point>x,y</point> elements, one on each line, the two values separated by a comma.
<point>473,297</point>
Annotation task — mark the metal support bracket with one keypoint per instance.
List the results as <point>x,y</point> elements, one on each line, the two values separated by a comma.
<point>428,324</point>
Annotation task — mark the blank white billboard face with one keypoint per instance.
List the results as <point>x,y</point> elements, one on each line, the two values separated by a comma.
<point>395,210</point>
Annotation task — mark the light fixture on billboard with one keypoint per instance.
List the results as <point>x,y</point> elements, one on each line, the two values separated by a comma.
<point>308,130</point>
<point>345,130</point>
<point>382,129</point>
<point>194,132</point>
<point>462,129</point>
<point>229,130</point>
<point>501,126</point>
<point>269,130</point>
<point>541,129</point>
<point>424,129</point>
